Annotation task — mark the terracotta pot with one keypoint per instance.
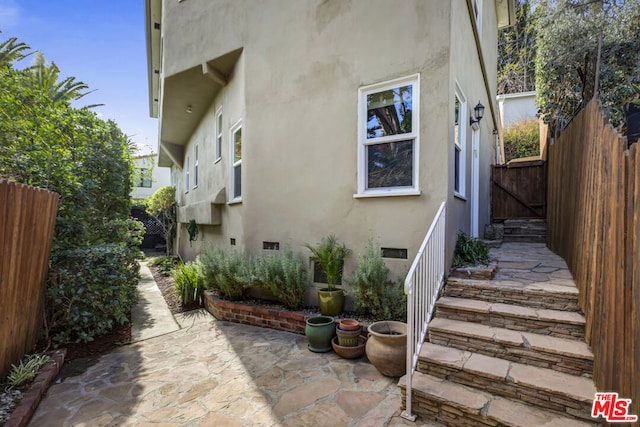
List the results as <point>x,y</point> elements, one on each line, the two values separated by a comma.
<point>331,302</point>
<point>349,324</point>
<point>349,352</point>
<point>348,338</point>
<point>387,347</point>
<point>319,331</point>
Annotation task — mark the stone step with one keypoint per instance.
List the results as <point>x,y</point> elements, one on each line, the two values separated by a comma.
<point>557,323</point>
<point>525,238</point>
<point>559,354</point>
<point>562,295</point>
<point>458,405</point>
<point>564,394</point>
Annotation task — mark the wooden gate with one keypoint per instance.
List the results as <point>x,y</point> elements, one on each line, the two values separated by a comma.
<point>519,190</point>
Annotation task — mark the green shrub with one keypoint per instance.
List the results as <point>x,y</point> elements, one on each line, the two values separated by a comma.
<point>285,276</point>
<point>470,251</point>
<point>375,293</point>
<point>227,271</point>
<point>89,289</point>
<point>522,139</point>
<point>189,283</point>
<point>165,264</point>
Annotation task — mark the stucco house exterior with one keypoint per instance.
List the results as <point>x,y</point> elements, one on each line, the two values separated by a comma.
<point>148,176</point>
<point>286,121</point>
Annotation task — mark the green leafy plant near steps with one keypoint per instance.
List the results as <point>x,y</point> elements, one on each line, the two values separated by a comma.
<point>189,282</point>
<point>470,251</point>
<point>226,271</point>
<point>26,370</point>
<point>375,293</point>
<point>284,275</point>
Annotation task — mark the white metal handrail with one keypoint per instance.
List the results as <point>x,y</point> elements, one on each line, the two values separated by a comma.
<point>422,286</point>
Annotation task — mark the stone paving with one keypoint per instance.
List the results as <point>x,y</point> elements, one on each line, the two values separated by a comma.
<point>212,373</point>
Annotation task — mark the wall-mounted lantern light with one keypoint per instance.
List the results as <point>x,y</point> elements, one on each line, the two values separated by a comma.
<point>474,120</point>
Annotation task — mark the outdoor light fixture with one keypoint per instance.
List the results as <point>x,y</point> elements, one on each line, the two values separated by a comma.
<point>189,109</point>
<point>474,121</point>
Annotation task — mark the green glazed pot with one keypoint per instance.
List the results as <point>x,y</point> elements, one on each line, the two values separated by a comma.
<point>319,331</point>
<point>331,302</point>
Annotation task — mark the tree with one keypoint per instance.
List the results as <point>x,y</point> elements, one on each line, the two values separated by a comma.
<point>46,77</point>
<point>162,206</point>
<point>11,51</point>
<point>517,52</point>
<point>567,38</point>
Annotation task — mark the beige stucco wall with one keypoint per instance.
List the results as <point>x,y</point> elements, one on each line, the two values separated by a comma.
<point>295,87</point>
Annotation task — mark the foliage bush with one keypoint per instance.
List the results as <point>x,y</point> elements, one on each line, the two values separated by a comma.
<point>165,264</point>
<point>189,282</point>
<point>470,251</point>
<point>284,275</point>
<point>47,143</point>
<point>226,271</point>
<point>522,139</point>
<point>91,288</point>
<point>374,292</point>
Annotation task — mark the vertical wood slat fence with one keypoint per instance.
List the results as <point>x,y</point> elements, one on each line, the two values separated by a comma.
<point>593,222</point>
<point>27,221</point>
<point>519,190</point>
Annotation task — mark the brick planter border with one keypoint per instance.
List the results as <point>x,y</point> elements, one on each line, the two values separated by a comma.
<point>238,312</point>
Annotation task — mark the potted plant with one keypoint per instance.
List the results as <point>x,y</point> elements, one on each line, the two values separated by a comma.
<point>384,299</point>
<point>330,254</point>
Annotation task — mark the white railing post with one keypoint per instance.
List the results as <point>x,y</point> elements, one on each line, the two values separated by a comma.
<point>422,287</point>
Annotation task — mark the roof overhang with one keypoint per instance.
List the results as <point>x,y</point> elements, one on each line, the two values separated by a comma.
<point>186,97</point>
<point>506,13</point>
<point>153,20</point>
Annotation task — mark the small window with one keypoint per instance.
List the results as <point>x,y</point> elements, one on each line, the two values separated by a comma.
<point>236,166</point>
<point>319,276</point>
<point>186,176</point>
<point>219,135</point>
<point>271,246</point>
<point>394,253</point>
<point>459,141</point>
<point>232,241</point>
<point>195,167</point>
<point>388,137</point>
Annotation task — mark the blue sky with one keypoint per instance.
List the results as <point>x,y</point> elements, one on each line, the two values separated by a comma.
<point>99,42</point>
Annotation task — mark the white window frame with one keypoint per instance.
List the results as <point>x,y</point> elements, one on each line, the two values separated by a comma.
<point>460,142</point>
<point>186,175</point>
<point>363,142</point>
<point>218,133</point>
<point>477,11</point>
<point>234,164</point>
<point>195,167</point>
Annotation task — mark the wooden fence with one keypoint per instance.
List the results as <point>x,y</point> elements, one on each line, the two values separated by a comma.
<point>27,221</point>
<point>519,190</point>
<point>593,222</point>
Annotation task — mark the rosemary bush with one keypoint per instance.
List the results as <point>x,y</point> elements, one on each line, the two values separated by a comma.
<point>284,275</point>
<point>226,271</point>
<point>375,293</point>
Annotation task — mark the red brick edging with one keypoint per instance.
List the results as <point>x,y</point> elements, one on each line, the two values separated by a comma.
<point>30,400</point>
<point>280,319</point>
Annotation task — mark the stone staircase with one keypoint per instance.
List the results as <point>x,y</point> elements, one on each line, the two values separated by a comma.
<point>525,230</point>
<point>507,351</point>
